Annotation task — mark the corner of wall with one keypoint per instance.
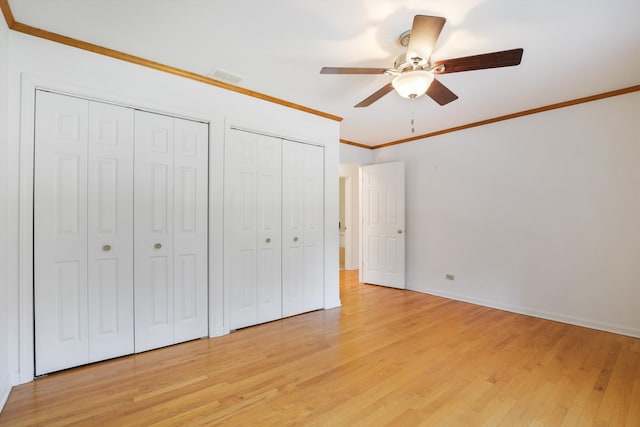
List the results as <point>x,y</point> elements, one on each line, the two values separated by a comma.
<point>5,379</point>
<point>351,155</point>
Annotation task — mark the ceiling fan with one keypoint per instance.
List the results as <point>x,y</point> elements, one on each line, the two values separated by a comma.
<point>414,72</point>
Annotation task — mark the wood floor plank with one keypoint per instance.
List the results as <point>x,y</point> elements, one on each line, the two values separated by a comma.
<point>386,357</point>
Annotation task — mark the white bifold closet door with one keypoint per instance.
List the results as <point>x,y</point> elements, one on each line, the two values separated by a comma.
<point>252,229</point>
<point>120,231</point>
<point>273,227</point>
<point>83,219</point>
<point>302,228</point>
<point>170,243</point>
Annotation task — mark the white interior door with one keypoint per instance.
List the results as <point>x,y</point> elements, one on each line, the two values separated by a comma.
<point>313,223</point>
<point>383,226</point>
<point>153,225</point>
<point>240,227</point>
<point>84,231</point>
<point>110,237</point>
<point>190,229</point>
<point>269,238</point>
<point>292,229</point>
<point>60,232</point>
<point>252,228</point>
<point>302,232</point>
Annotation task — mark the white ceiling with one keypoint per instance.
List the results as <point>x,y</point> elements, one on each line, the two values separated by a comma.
<point>572,49</point>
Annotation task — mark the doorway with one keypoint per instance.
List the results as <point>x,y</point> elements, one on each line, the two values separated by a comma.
<point>348,224</point>
<point>341,222</point>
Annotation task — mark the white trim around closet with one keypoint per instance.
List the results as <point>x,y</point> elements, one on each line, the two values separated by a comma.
<point>23,313</point>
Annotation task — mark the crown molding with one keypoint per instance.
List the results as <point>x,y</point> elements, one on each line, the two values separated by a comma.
<point>356,144</point>
<point>58,38</point>
<point>101,50</point>
<point>564,104</point>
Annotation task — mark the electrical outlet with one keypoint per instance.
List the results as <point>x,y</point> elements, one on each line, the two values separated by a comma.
<point>450,277</point>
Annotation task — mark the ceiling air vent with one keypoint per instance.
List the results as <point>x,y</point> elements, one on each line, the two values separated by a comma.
<point>224,76</point>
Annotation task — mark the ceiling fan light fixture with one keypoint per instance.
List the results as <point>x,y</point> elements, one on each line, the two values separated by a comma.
<point>412,84</point>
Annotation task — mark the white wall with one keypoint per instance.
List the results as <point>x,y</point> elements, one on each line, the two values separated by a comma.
<point>5,381</point>
<point>352,155</point>
<point>39,63</point>
<point>538,215</point>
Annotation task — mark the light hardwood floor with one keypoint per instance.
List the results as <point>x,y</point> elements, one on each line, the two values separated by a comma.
<point>387,357</point>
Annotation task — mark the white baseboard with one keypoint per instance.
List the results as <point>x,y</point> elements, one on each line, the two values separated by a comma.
<point>5,389</point>
<point>558,317</point>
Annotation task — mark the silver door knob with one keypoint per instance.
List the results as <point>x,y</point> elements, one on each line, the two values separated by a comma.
<point>295,239</point>
<point>267,240</point>
<point>157,246</point>
<point>106,248</point>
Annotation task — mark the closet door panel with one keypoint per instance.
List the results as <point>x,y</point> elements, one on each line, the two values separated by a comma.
<point>190,229</point>
<point>240,227</point>
<point>153,227</point>
<point>110,237</point>
<point>269,238</point>
<point>313,226</point>
<point>60,232</point>
<point>303,225</point>
<point>293,228</point>
<point>253,230</point>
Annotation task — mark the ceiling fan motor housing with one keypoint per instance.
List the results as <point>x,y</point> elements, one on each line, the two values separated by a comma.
<point>401,64</point>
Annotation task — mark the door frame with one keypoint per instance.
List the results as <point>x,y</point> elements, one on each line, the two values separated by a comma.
<point>23,314</point>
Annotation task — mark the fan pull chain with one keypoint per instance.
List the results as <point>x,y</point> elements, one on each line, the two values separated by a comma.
<point>413,100</point>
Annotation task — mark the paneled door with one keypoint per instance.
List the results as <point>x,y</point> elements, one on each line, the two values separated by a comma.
<point>302,227</point>
<point>252,264</point>
<point>110,237</point>
<point>170,237</point>
<point>383,229</point>
<point>190,225</point>
<point>112,187</point>
<point>83,288</point>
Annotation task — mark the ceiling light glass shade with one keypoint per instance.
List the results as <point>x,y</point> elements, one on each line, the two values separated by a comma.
<point>412,84</point>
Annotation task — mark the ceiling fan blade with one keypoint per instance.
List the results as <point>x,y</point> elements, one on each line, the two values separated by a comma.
<point>505,58</point>
<point>424,34</point>
<point>375,96</point>
<point>352,70</point>
<point>440,93</point>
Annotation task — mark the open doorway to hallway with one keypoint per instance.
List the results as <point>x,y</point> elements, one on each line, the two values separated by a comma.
<point>349,211</point>
<point>341,222</point>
